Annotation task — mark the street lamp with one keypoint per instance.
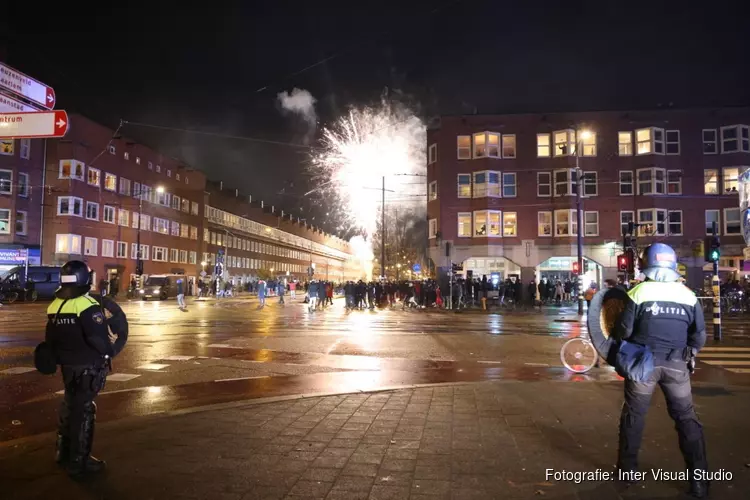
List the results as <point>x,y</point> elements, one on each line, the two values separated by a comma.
<point>581,136</point>
<point>139,261</point>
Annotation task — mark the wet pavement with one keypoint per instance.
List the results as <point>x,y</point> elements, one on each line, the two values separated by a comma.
<point>225,351</point>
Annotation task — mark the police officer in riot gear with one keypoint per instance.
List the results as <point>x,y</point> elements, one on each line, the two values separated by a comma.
<point>84,333</point>
<point>665,316</point>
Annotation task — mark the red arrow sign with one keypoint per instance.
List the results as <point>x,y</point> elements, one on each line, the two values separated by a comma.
<point>25,86</point>
<point>34,125</point>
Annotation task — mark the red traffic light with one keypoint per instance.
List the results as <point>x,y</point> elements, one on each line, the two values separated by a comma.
<point>576,269</point>
<point>622,263</point>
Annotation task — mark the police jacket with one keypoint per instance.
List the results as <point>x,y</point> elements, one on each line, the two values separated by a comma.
<point>663,316</point>
<point>78,329</point>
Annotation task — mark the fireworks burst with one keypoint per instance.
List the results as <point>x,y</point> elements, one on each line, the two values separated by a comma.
<point>358,151</point>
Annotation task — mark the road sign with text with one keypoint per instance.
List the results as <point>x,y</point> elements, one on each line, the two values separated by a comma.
<point>11,105</point>
<point>34,125</point>
<point>20,84</point>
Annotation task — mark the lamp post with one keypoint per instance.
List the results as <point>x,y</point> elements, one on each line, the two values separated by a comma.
<point>580,136</point>
<point>139,259</point>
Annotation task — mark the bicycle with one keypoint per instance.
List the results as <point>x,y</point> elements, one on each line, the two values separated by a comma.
<point>579,355</point>
<point>8,297</point>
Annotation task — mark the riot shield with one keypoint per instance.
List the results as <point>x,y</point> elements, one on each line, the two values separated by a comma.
<point>604,314</point>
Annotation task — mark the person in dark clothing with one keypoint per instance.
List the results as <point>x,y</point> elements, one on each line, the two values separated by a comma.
<point>666,317</point>
<point>542,291</point>
<point>531,290</point>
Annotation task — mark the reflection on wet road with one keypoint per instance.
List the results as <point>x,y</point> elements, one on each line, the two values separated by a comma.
<point>230,351</point>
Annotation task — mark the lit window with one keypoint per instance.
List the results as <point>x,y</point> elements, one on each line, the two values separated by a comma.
<point>108,215</point>
<point>652,221</point>
<point>487,223</point>
<point>92,210</point>
<point>150,166</point>
<point>509,146</point>
<point>6,182</point>
<point>90,246</point>
<point>730,176</point>
<point>588,143</point>
<point>544,220</point>
<point>185,231</point>
<point>183,257</point>
<point>174,255</point>
<point>194,233</point>
<point>674,181</point>
<point>542,146</point>
<point>126,155</point>
<point>565,182</point>
<point>25,149</point>
<point>110,182</point>
<point>145,222</point>
<point>543,184</point>
<point>194,208</point>
<point>710,141</point>
<point>464,224</point>
<point>625,143</point>
<point>590,184</point>
<point>732,221</point>
<point>673,142</point>
<point>194,258</point>
<point>71,169</point>
<point>649,141</point>
<point>591,223</point>
<point>108,248</point>
<point>712,217</point>
<point>711,181</point>
<point>158,169</point>
<point>509,185</point>
<point>651,181</point>
<point>486,184</point>
<point>510,223</point>
<point>4,221</point>
<point>137,160</point>
<point>627,217</point>
<point>123,217</point>
<point>626,182</point>
<point>68,243</point>
<point>464,185</point>
<point>69,205</point>
<point>94,177</point>
<point>566,223</point>
<point>431,156</point>
<point>432,191</point>
<point>564,142</point>
<point>675,223</point>
<point>433,229</point>
<point>735,138</point>
<point>175,228</point>
<point>486,145</point>
<point>169,172</point>
<point>480,223</point>
<point>124,186</point>
<point>185,205</point>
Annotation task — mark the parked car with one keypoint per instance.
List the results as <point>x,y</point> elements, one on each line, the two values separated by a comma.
<point>44,281</point>
<point>160,286</point>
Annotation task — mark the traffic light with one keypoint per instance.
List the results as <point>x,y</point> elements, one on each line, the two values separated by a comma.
<point>576,269</point>
<point>711,249</point>
<point>622,263</point>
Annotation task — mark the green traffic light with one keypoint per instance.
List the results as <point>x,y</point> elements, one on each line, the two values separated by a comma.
<point>714,255</point>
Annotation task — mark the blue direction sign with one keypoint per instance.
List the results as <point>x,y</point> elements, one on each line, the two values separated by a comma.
<point>416,268</point>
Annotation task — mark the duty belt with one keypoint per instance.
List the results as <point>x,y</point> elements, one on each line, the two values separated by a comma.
<point>683,354</point>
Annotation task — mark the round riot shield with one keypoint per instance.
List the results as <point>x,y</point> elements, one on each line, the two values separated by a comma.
<point>603,316</point>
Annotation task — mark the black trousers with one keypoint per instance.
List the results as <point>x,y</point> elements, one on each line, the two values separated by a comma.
<point>78,410</point>
<point>674,379</point>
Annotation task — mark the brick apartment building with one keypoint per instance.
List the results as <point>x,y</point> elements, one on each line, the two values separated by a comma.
<point>21,195</point>
<point>501,189</point>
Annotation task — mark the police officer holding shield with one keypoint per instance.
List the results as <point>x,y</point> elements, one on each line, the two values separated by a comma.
<point>665,316</point>
<point>80,336</point>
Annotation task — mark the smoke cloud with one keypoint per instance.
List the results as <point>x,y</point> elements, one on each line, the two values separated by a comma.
<point>302,103</point>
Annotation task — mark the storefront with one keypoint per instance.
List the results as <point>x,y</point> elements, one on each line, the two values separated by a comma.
<point>561,268</point>
<point>488,266</point>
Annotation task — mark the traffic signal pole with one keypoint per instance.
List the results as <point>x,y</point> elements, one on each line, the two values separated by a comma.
<point>717,292</point>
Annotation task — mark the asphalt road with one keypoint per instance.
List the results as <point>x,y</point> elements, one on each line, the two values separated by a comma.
<point>221,351</point>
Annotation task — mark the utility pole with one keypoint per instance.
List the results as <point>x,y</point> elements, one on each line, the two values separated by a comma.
<point>579,236</point>
<point>382,234</point>
<point>716,285</point>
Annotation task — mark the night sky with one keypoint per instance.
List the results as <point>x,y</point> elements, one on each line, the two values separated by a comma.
<point>199,65</point>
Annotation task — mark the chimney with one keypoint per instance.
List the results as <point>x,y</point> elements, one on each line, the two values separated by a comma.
<point>273,209</point>
<point>282,214</point>
<point>262,204</point>
<point>249,198</point>
<point>236,193</point>
<point>221,185</point>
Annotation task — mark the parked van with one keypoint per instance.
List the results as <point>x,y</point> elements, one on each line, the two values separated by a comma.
<point>45,280</point>
<point>161,286</point>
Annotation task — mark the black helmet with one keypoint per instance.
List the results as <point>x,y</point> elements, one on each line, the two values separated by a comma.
<point>75,280</point>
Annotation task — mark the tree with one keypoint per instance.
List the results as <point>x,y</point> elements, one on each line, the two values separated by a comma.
<point>405,241</point>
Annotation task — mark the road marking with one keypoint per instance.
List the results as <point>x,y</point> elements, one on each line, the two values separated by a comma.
<point>724,355</point>
<point>121,377</point>
<point>177,357</point>
<point>736,349</point>
<point>152,366</point>
<point>727,362</point>
<point>240,378</point>
<point>224,346</point>
<point>17,370</point>
<point>490,362</point>
<point>536,364</point>
<point>739,370</point>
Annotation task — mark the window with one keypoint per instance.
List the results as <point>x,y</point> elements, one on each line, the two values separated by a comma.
<point>92,210</point>
<point>590,184</point>
<point>136,189</point>
<point>651,221</point>
<point>207,238</point>
<point>185,205</point>
<point>544,222</point>
<point>730,176</point>
<point>126,155</point>
<point>486,184</point>
<point>487,223</point>
<point>23,184</point>
<point>565,182</point>
<point>22,222</point>
<point>145,222</point>
<point>588,143</point>
<point>123,217</point>
<point>649,141</point>
<point>177,176</point>
<point>711,181</point>
<point>176,202</point>
<point>732,221</point>
<point>112,150</point>
<point>187,180</point>
<point>735,138</point>
<point>169,173</point>
<point>124,186</point>
<point>193,259</point>
<point>432,191</point>
<point>25,149</point>
<point>675,223</point>
<point>564,142</point>
<point>71,169</point>
<point>122,249</point>
<point>110,182</point>
<point>68,243</point>
<point>90,246</point>
<point>464,185</point>
<point>174,255</point>
<point>183,257</point>
<point>108,214</point>
<point>464,224</point>
<point>194,234</point>
<point>158,169</point>
<point>542,146</point>
<point>185,231</point>
<point>591,223</point>
<point>709,141</point>
<point>509,146</point>
<point>673,142</point>
<point>150,166</point>
<point>69,205</point>
<point>625,143</point>
<point>194,208</point>
<point>712,216</point>
<point>566,223</point>
<point>433,228</point>
<point>4,221</point>
<point>160,254</point>
<point>6,181</point>
<point>543,184</point>
<point>134,251</point>
<point>162,198</point>
<point>509,185</point>
<point>108,248</point>
<point>674,181</point>
<point>175,228</point>
<point>486,145</point>
<point>626,217</point>
<point>431,154</point>
<point>94,177</point>
<point>650,181</point>
<point>161,225</point>
<point>510,224</point>
<point>626,182</point>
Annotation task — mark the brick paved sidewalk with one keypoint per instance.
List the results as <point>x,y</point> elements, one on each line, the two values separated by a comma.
<point>472,441</point>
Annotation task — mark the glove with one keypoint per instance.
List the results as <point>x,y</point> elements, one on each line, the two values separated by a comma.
<point>691,360</point>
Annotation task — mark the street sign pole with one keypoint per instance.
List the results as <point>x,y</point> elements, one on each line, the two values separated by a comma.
<point>717,294</point>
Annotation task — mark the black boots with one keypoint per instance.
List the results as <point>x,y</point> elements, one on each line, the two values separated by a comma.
<point>698,488</point>
<point>81,461</point>
<point>62,449</point>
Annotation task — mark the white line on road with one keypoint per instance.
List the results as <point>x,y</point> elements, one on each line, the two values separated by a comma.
<point>224,346</point>
<point>728,349</point>
<point>152,366</point>
<point>739,370</point>
<point>727,362</point>
<point>122,377</point>
<point>16,370</point>
<point>177,357</point>
<point>536,364</point>
<point>490,362</point>
<point>724,355</point>
<point>240,378</point>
